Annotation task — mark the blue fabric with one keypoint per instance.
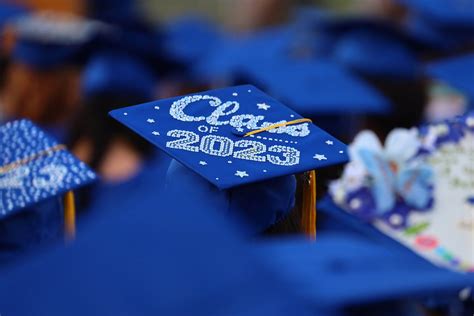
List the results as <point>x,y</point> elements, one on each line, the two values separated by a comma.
<point>314,88</point>
<point>292,149</point>
<point>257,206</point>
<point>45,176</point>
<point>445,13</point>
<point>342,270</point>
<point>9,12</point>
<point>188,39</point>
<point>456,72</point>
<point>107,198</point>
<point>34,227</point>
<point>373,53</point>
<point>45,42</point>
<point>112,71</point>
<point>150,262</point>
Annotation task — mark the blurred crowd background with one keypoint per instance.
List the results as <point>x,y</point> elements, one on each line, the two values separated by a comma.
<point>348,65</point>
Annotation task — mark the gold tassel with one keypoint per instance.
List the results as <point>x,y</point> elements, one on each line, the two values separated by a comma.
<point>308,219</point>
<point>69,216</point>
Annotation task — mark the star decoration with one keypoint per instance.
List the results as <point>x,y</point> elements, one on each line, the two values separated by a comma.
<point>341,152</point>
<point>241,174</point>
<point>329,142</point>
<point>235,94</point>
<point>229,161</point>
<point>125,113</point>
<point>263,106</point>
<point>239,129</point>
<point>203,163</point>
<point>156,133</point>
<point>150,120</point>
<point>320,157</point>
<point>157,107</point>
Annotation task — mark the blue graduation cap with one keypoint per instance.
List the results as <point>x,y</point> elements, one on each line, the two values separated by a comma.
<point>189,38</point>
<point>9,12</point>
<point>229,55</point>
<point>445,13</point>
<point>35,168</point>
<point>234,137</point>
<point>341,271</point>
<point>374,53</point>
<point>117,72</point>
<point>455,72</point>
<point>150,263</point>
<point>315,88</point>
<point>49,39</point>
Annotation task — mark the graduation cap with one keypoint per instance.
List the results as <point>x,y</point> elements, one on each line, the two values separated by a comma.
<point>401,189</point>
<point>374,53</point>
<point>48,39</point>
<point>111,71</point>
<point>315,88</point>
<point>445,13</point>
<point>341,271</point>
<point>9,12</point>
<point>207,269</point>
<point>189,38</point>
<point>235,136</point>
<point>455,72</point>
<point>35,168</point>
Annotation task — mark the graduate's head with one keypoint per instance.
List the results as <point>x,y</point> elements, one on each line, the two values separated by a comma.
<point>42,81</point>
<point>110,80</point>
<point>240,149</point>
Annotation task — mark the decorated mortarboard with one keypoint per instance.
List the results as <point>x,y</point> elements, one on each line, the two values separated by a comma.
<point>34,168</point>
<point>455,72</point>
<point>48,39</point>
<point>117,72</point>
<point>233,136</point>
<point>316,87</point>
<point>418,189</point>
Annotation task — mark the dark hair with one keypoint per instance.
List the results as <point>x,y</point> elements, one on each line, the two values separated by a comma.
<point>94,124</point>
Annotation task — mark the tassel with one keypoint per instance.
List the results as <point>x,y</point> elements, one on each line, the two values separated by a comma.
<point>308,219</point>
<point>69,216</point>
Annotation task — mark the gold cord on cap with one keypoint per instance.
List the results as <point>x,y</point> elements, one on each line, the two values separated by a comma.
<point>264,129</point>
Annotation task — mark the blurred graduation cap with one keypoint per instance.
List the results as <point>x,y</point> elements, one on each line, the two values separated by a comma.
<point>9,12</point>
<point>116,72</point>
<point>227,57</point>
<point>445,13</point>
<point>35,168</point>
<point>173,265</point>
<point>401,188</point>
<point>456,72</point>
<point>445,24</point>
<point>374,53</point>
<point>340,271</point>
<point>315,88</point>
<point>235,136</point>
<point>188,39</point>
<point>47,39</point>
